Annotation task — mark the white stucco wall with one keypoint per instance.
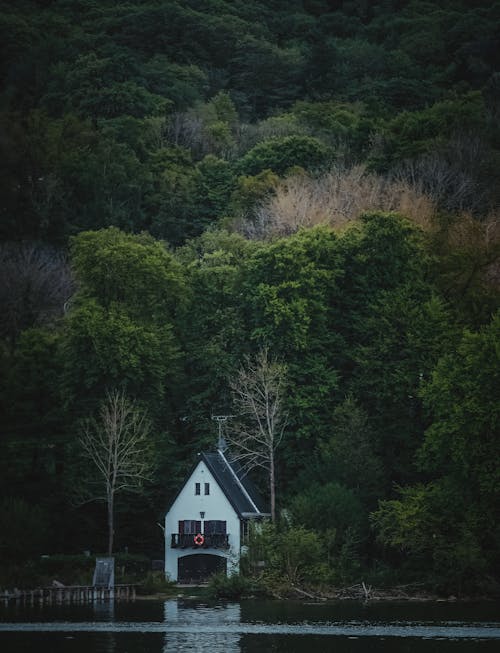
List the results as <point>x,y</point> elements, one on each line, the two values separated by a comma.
<point>188,506</point>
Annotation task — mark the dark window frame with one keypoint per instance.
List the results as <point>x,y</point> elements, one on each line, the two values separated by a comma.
<point>215,527</point>
<point>190,527</point>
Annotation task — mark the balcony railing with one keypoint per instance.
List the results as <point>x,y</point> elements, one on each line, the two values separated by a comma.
<point>182,541</point>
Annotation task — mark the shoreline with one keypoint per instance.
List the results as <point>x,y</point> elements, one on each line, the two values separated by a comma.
<point>196,592</point>
<point>359,592</point>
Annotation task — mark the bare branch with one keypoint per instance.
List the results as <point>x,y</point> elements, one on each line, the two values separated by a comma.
<point>36,284</point>
<point>336,199</point>
<point>257,432</point>
<point>117,446</point>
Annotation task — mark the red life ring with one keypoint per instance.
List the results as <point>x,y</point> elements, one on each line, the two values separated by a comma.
<point>199,539</point>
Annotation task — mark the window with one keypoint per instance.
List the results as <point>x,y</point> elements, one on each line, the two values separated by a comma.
<point>197,488</point>
<point>207,488</point>
<point>244,531</point>
<point>189,527</point>
<point>215,527</point>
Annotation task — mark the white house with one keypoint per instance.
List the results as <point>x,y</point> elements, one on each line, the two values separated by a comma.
<point>207,522</point>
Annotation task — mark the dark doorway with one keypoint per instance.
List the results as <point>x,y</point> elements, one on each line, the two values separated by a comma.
<point>199,567</point>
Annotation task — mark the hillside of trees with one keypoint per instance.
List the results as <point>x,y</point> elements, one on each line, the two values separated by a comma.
<point>184,183</point>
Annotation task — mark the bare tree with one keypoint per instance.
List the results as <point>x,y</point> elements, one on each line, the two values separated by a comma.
<point>337,198</point>
<point>35,284</point>
<point>258,392</point>
<point>445,178</point>
<point>117,444</point>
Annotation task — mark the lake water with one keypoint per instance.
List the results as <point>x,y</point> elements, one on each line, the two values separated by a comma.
<point>249,626</point>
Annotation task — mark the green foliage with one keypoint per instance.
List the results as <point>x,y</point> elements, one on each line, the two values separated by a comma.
<point>290,555</point>
<point>434,525</point>
<point>224,108</point>
<point>212,324</point>
<point>336,514</point>
<point>252,190</point>
<point>214,189</point>
<point>407,331</point>
<point>348,564</point>
<point>412,133</point>
<point>390,238</point>
<point>281,154</point>
<point>155,583</point>
<point>348,454</point>
<point>32,437</point>
<point>232,587</point>
<point>400,89</point>
<point>136,272</point>
<point>67,569</point>
<point>120,332</point>
<point>75,569</point>
<point>327,507</point>
<point>112,100</point>
<point>462,397</point>
<point>171,201</point>
<point>31,391</point>
<point>264,74</point>
<point>344,126</point>
<point>64,176</point>
<point>290,286</point>
<point>450,521</point>
<point>105,346</point>
<point>182,84</point>
<point>181,117</point>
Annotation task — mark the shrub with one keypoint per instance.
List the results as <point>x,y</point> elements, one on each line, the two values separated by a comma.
<point>292,555</point>
<point>229,587</point>
<point>154,583</point>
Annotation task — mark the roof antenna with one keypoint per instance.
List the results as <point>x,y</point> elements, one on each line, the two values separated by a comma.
<point>221,419</point>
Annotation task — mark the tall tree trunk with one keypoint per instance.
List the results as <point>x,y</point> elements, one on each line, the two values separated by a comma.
<point>111,524</point>
<point>272,485</point>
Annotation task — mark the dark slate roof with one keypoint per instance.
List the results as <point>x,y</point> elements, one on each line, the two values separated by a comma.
<point>238,488</point>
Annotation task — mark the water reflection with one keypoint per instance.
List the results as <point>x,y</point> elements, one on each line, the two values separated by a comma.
<point>105,611</point>
<point>201,618</point>
<point>186,625</point>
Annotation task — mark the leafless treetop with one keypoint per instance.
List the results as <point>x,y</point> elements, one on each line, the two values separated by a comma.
<point>35,285</point>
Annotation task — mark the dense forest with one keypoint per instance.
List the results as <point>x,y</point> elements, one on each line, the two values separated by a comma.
<point>186,182</point>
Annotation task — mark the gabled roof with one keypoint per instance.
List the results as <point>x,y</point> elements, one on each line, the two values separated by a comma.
<point>238,489</point>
